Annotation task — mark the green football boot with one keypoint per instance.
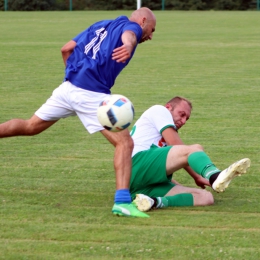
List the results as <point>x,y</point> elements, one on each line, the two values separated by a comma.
<point>128,210</point>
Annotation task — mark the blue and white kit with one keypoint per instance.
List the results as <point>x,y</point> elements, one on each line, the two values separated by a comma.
<point>90,66</point>
<point>90,73</point>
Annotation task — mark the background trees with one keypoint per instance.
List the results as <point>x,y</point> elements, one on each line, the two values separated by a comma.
<point>44,5</point>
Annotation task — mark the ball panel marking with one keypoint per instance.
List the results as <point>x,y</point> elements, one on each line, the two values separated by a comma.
<point>111,116</point>
<point>120,102</point>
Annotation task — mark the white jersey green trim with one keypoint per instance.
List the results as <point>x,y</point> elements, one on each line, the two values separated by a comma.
<point>168,126</point>
<point>147,131</point>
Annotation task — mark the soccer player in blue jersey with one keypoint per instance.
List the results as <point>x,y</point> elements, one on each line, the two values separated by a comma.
<point>93,60</point>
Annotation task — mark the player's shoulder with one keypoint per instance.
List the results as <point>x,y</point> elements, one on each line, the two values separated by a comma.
<point>107,22</point>
<point>120,20</point>
<point>157,108</point>
<point>155,111</point>
<point>131,26</point>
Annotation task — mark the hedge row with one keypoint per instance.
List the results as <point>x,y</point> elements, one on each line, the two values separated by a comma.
<point>47,5</point>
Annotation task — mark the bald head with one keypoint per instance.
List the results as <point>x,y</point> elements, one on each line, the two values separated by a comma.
<point>147,20</point>
<point>142,12</point>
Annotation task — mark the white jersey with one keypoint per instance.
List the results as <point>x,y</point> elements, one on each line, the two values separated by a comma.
<point>147,131</point>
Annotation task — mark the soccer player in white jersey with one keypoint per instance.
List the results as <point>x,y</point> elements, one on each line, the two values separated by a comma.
<point>93,60</point>
<point>159,152</point>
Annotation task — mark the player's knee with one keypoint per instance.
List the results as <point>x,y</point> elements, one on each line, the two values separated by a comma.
<point>129,143</point>
<point>195,148</point>
<point>208,197</point>
<point>32,127</point>
<point>203,198</point>
<point>124,140</point>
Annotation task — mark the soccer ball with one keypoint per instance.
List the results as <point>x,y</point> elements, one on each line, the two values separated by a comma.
<point>115,113</point>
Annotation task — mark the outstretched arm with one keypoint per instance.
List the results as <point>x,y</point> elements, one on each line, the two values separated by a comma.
<point>123,53</point>
<point>67,49</point>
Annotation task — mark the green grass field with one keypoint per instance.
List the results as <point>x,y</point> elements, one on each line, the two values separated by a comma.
<point>57,189</point>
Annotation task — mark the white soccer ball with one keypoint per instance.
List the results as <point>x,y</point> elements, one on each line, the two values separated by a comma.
<point>115,113</point>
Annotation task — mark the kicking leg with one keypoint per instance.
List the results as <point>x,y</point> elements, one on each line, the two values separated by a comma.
<point>18,127</point>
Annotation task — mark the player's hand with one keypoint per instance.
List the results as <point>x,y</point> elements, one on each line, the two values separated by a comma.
<point>202,182</point>
<point>122,54</point>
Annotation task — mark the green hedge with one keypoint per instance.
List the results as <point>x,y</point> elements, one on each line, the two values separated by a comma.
<point>41,5</point>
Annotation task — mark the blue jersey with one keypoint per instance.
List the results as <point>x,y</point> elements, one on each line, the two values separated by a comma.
<point>90,66</point>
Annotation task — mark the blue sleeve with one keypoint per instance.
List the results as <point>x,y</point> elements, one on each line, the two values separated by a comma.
<point>76,38</point>
<point>134,27</point>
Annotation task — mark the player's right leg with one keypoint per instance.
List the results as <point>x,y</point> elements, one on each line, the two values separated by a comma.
<point>18,127</point>
<point>123,144</point>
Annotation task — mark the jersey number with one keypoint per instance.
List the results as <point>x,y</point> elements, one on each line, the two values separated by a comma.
<point>95,42</point>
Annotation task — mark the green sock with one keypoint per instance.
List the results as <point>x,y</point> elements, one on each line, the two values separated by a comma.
<point>178,200</point>
<point>162,202</point>
<point>201,164</point>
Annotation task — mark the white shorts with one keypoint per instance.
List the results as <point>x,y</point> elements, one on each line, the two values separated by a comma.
<point>69,100</point>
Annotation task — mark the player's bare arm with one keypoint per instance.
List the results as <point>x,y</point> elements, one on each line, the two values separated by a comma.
<point>67,49</point>
<point>171,136</point>
<point>123,53</point>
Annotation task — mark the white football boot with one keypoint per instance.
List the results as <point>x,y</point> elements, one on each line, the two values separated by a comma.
<point>143,202</point>
<point>236,169</point>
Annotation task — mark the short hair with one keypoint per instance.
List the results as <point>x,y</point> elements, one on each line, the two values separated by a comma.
<point>176,100</point>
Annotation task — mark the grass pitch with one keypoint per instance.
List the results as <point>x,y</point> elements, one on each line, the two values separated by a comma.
<point>57,188</point>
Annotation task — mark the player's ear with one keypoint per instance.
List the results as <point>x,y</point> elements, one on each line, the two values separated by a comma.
<point>168,106</point>
<point>143,22</point>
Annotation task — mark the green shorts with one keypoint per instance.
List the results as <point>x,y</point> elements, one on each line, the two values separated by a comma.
<point>149,173</point>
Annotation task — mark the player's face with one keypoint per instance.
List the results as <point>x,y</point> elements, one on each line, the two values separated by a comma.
<point>148,30</point>
<point>181,113</point>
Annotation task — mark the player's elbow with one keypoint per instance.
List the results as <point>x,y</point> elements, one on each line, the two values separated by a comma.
<point>129,38</point>
<point>68,47</point>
